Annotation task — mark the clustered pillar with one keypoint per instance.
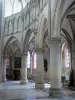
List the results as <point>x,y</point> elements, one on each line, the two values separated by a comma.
<point>24,69</point>
<point>55,67</point>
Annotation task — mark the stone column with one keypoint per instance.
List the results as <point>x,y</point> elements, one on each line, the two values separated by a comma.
<point>4,79</point>
<point>1,38</point>
<point>63,69</point>
<point>33,71</point>
<point>73,59</point>
<point>73,55</point>
<point>11,67</point>
<point>39,84</point>
<point>55,67</point>
<point>24,69</point>
<point>63,60</point>
<point>31,63</point>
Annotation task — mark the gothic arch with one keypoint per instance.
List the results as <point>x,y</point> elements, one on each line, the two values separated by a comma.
<point>31,44</point>
<point>66,36</point>
<point>8,41</point>
<point>41,32</point>
<point>57,18</point>
<point>10,26</point>
<point>26,40</point>
<point>67,11</point>
<point>69,15</point>
<point>19,24</point>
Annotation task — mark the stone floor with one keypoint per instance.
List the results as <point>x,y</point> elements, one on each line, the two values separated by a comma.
<point>15,91</point>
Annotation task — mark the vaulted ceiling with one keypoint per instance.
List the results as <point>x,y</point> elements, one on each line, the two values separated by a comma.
<point>68,25</point>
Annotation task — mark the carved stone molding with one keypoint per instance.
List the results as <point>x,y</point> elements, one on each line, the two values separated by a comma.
<point>24,59</point>
<point>55,92</point>
<point>39,50</point>
<point>5,56</point>
<point>54,41</point>
<point>23,54</point>
<point>35,31</point>
<point>73,47</point>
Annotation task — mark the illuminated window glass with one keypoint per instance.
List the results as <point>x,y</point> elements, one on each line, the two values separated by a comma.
<point>14,6</point>
<point>28,60</point>
<point>67,60</point>
<point>34,60</point>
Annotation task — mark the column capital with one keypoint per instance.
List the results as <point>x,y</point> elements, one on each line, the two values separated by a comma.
<point>5,56</point>
<point>73,47</point>
<point>39,50</point>
<point>24,54</point>
<point>55,92</point>
<point>35,31</point>
<point>54,41</point>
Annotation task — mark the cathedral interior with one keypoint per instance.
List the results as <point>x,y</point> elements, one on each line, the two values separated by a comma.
<point>37,49</point>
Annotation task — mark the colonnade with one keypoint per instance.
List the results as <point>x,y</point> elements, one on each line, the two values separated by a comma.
<point>73,59</point>
<point>55,68</point>
<point>55,65</point>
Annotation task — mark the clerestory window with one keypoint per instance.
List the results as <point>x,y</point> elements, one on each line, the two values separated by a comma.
<point>14,6</point>
<point>67,60</point>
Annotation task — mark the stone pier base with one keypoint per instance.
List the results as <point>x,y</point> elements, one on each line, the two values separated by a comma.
<point>39,86</point>
<point>55,93</point>
<point>24,81</point>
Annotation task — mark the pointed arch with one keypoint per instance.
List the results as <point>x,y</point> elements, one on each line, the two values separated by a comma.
<point>12,38</point>
<point>57,18</point>
<point>19,23</point>
<point>25,44</point>
<point>41,32</point>
<point>67,11</point>
<point>66,35</point>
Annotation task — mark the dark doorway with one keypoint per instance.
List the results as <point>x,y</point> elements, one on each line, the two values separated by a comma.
<point>17,62</point>
<point>17,67</point>
<point>16,74</point>
<point>45,65</point>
